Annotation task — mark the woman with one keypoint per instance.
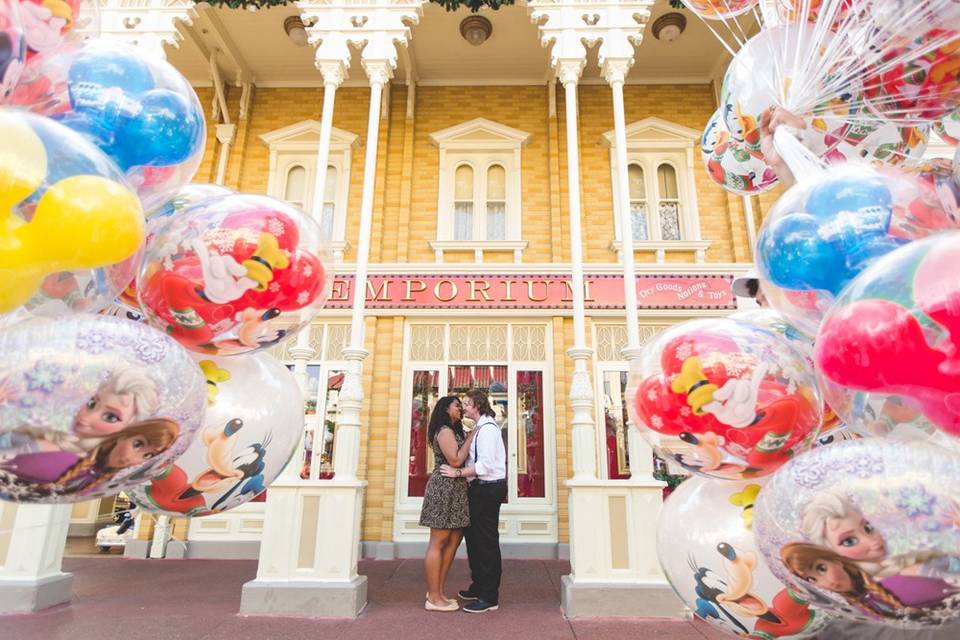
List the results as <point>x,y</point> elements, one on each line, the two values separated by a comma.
<point>445,508</point>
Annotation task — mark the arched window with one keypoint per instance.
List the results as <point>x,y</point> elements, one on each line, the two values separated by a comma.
<point>668,206</point>
<point>463,203</point>
<point>496,205</point>
<point>638,202</point>
<point>295,187</point>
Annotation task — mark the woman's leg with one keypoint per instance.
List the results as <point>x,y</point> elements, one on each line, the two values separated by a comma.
<point>449,553</point>
<point>433,563</point>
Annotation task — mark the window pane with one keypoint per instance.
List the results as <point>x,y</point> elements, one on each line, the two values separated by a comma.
<point>426,392</point>
<point>326,221</point>
<point>493,380</point>
<point>496,220</point>
<point>496,183</point>
<point>530,445</point>
<point>309,409</point>
<point>669,220</point>
<point>463,186</point>
<point>328,426</point>
<point>615,418</point>
<point>330,188</point>
<point>638,220</point>
<point>463,221</point>
<point>638,190</point>
<point>295,189</point>
<point>667,182</point>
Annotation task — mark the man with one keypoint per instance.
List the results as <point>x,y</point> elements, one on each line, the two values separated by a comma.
<point>748,286</point>
<point>486,470</point>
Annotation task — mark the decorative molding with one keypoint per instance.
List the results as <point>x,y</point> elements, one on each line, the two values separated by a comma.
<point>150,24</point>
<point>479,247</point>
<point>303,136</point>
<point>656,132</point>
<point>465,135</point>
<point>662,247</point>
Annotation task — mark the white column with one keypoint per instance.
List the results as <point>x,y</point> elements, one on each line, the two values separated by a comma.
<point>581,387</point>
<point>334,74</point>
<point>225,135</point>
<point>32,537</point>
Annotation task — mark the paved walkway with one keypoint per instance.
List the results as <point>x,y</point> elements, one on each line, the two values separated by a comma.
<point>199,599</point>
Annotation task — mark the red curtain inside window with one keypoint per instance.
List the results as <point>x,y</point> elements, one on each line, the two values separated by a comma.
<point>530,416</point>
<point>425,388</point>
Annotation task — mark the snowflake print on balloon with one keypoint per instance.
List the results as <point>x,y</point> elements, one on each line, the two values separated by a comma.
<point>915,501</point>
<point>92,342</point>
<point>44,377</point>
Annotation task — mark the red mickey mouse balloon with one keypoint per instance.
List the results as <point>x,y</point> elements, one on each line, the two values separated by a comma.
<point>725,399</point>
<point>234,274</point>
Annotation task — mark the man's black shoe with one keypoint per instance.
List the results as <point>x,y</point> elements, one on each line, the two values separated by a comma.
<point>480,606</point>
<point>467,594</point>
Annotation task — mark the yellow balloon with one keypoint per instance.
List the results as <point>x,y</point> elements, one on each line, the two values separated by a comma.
<point>83,222</point>
<point>23,161</point>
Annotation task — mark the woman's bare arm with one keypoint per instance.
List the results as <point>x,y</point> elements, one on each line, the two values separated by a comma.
<point>448,445</point>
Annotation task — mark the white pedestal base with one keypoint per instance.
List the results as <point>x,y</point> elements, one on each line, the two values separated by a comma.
<point>310,599</point>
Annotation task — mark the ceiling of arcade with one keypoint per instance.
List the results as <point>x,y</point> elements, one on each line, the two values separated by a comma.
<point>254,46</point>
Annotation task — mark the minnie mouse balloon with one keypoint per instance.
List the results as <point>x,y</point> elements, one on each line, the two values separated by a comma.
<point>136,107</point>
<point>893,337</point>
<point>870,527</point>
<point>49,23</point>
<point>254,423</point>
<point>234,274</point>
<point>92,407</point>
<point>12,46</point>
<point>707,552</point>
<point>725,399</point>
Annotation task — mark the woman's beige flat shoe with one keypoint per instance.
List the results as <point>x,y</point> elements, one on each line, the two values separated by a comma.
<point>427,596</point>
<point>450,606</point>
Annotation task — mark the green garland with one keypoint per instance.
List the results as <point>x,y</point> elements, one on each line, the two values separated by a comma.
<point>677,4</point>
<point>673,481</point>
<point>449,5</point>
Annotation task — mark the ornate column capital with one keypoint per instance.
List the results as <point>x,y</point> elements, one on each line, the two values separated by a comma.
<point>569,70</point>
<point>615,69</point>
<point>334,72</point>
<point>226,133</point>
<point>379,72</point>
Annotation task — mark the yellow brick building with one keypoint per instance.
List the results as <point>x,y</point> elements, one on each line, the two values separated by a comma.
<point>470,190</point>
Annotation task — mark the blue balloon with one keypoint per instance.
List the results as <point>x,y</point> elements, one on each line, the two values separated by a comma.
<point>794,256</point>
<point>167,130</point>
<point>840,193</point>
<point>95,70</point>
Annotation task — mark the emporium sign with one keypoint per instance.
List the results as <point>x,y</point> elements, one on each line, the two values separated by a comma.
<point>432,291</point>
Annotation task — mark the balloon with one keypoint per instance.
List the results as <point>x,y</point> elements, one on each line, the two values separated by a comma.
<point>137,108</point>
<point>732,164</point>
<point>883,141</point>
<point>894,336</point>
<point>159,211</point>
<point>223,276</point>
<point>824,231</point>
<point>871,528</point>
<point>49,23</point>
<point>92,407</point>
<point>12,46</point>
<point>707,552</point>
<point>73,228</point>
<point>725,399</point>
<point>254,423</point>
<point>948,128</point>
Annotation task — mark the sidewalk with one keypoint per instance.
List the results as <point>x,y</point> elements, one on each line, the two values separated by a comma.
<point>199,600</point>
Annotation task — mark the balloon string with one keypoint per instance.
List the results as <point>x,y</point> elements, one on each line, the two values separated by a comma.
<point>803,163</point>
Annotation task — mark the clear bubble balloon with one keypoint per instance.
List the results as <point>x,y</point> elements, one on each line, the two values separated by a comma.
<point>136,107</point>
<point>706,548</point>
<point>234,274</point>
<point>724,398</point>
<point>890,347</point>
<point>254,422</point>
<point>824,231</point>
<point>73,230</point>
<point>870,528</point>
<point>92,407</point>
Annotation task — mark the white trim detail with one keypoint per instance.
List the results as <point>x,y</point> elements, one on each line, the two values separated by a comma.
<point>296,144</point>
<point>650,143</point>
<point>662,247</point>
<point>479,248</point>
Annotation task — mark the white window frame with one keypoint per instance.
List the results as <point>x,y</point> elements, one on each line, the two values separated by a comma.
<point>480,143</point>
<point>650,143</point>
<point>297,145</point>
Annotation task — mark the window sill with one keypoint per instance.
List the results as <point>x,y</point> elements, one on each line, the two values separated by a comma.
<point>479,248</point>
<point>661,247</point>
<point>337,248</point>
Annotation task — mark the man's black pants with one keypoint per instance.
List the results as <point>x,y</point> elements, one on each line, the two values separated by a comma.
<point>483,539</point>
